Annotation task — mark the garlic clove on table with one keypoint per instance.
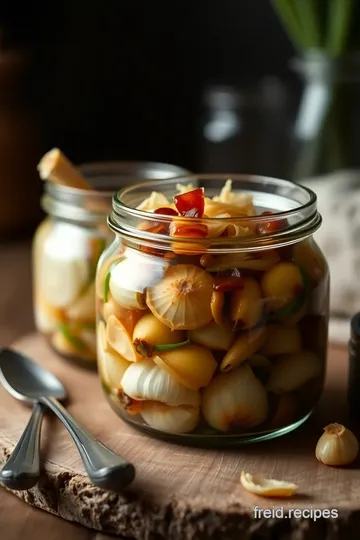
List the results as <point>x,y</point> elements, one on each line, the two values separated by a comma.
<point>337,446</point>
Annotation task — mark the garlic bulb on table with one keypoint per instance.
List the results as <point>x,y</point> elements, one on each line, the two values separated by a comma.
<point>170,419</point>
<point>146,381</point>
<point>235,399</point>
<point>337,446</point>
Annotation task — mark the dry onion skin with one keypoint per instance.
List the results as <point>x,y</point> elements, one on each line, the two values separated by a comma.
<point>206,342</point>
<point>267,487</point>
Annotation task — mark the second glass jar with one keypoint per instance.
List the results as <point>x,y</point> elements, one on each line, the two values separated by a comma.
<point>212,313</point>
<point>66,249</point>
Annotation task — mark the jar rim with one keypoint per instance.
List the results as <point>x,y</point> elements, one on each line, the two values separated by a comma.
<point>304,215</point>
<point>82,205</point>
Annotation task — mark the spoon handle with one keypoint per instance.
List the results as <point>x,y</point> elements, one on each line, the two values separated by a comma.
<point>22,469</point>
<point>105,469</point>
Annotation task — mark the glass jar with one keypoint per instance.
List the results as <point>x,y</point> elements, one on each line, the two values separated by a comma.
<point>213,330</point>
<point>66,249</point>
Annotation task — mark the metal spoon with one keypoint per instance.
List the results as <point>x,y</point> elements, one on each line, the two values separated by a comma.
<point>30,382</point>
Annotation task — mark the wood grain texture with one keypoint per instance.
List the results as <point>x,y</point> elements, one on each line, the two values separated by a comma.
<point>180,492</point>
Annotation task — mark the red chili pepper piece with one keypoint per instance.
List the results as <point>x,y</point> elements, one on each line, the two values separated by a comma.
<point>166,211</point>
<point>191,231</point>
<point>271,226</point>
<point>231,283</point>
<point>191,203</point>
<point>158,228</point>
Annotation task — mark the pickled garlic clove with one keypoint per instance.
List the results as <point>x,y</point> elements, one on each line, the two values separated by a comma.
<point>292,371</point>
<point>130,277</point>
<point>191,365</point>
<point>111,365</point>
<point>103,276</point>
<point>152,202</point>
<point>83,308</point>
<point>282,340</point>
<point>310,258</point>
<point>246,304</point>
<point>145,381</point>
<point>151,330</point>
<point>216,305</point>
<point>88,337</point>
<point>61,281</point>
<point>63,265</point>
<point>247,344</point>
<point>112,308</point>
<point>123,296</point>
<point>285,408</point>
<point>267,487</point>
<point>127,317</point>
<point>213,336</point>
<point>235,399</point>
<point>181,300</point>
<point>260,366</point>
<point>170,419</point>
<point>282,284</point>
<point>294,318</point>
<point>70,346</point>
<point>47,317</point>
<point>120,340</point>
<point>262,261</point>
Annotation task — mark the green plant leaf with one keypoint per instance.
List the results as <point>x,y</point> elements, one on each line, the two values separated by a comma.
<point>338,24</point>
<point>307,17</point>
<point>171,346</point>
<point>289,20</point>
<point>107,281</point>
<point>74,340</point>
<point>294,306</point>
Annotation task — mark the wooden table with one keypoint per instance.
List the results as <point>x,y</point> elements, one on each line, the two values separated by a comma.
<point>17,519</point>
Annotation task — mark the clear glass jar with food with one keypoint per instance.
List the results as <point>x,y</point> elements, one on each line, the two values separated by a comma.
<point>212,308</point>
<point>66,249</point>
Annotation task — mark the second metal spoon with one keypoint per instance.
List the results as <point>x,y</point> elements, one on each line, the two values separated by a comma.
<point>28,381</point>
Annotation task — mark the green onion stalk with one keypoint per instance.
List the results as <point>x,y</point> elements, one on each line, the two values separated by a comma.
<point>323,33</point>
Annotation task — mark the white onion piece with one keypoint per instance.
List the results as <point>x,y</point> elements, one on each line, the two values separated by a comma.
<point>132,275</point>
<point>64,267</point>
<point>146,381</point>
<point>170,419</point>
<point>235,399</point>
<point>83,309</point>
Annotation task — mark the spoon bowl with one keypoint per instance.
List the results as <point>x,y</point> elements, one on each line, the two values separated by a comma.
<point>26,380</point>
<point>30,382</point>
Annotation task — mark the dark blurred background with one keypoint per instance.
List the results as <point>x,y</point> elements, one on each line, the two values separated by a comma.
<point>159,81</point>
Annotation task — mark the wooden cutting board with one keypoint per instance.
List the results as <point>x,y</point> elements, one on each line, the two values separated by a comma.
<point>184,493</point>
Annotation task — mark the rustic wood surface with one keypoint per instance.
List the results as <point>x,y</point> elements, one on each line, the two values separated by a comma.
<point>179,493</point>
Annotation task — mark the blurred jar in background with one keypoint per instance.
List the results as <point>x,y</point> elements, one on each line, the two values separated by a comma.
<point>66,249</point>
<point>20,186</point>
<point>246,129</point>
